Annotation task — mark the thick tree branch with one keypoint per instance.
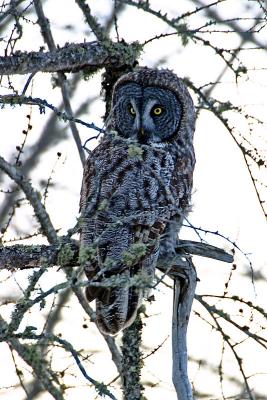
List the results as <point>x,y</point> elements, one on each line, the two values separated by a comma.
<point>25,257</point>
<point>204,250</point>
<point>132,361</point>
<point>184,291</point>
<point>72,58</point>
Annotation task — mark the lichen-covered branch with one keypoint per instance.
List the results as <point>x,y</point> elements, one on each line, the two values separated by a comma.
<point>92,21</point>
<point>24,257</point>
<point>30,355</point>
<point>132,361</point>
<point>14,99</point>
<point>66,254</point>
<point>71,58</point>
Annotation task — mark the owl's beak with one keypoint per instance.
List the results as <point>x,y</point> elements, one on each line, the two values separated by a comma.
<point>143,135</point>
<point>142,132</point>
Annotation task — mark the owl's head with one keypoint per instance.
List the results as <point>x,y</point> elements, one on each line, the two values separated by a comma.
<point>152,106</point>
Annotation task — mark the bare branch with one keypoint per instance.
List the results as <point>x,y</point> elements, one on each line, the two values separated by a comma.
<point>33,197</point>
<point>29,355</point>
<point>11,10</point>
<point>216,311</point>
<point>92,21</point>
<point>239,360</point>
<point>36,362</point>
<point>48,38</point>
<point>184,291</point>
<point>48,137</point>
<point>16,99</point>
<point>246,36</point>
<point>211,106</point>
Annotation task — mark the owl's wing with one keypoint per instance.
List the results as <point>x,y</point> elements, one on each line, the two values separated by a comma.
<point>123,201</point>
<point>116,307</point>
<point>86,183</point>
<point>181,183</point>
<point>87,238</point>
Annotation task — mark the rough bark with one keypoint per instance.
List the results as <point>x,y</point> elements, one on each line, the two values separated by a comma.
<point>132,361</point>
<point>71,58</point>
<point>183,296</point>
<point>66,254</point>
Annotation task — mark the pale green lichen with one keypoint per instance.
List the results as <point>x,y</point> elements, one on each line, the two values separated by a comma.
<point>109,263</point>
<point>135,151</point>
<point>65,255</point>
<point>103,206</point>
<point>114,134</point>
<point>122,279</point>
<point>33,354</point>
<point>135,252</point>
<point>143,280</point>
<point>123,51</point>
<point>87,253</point>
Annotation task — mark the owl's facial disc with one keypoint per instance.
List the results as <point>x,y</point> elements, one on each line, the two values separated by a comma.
<point>147,115</point>
<point>151,113</point>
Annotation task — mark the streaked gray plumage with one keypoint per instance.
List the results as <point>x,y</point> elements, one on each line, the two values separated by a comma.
<point>136,190</point>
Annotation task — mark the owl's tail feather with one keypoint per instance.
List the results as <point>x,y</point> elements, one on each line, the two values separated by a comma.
<point>112,322</point>
<point>92,292</point>
<point>116,308</point>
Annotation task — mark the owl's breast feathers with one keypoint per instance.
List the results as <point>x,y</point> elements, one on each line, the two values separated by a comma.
<point>122,179</point>
<point>129,193</point>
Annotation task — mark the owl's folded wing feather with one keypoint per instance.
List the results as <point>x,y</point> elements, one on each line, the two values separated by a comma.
<point>87,229</point>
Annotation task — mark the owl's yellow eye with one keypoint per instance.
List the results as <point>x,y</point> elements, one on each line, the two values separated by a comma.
<point>132,111</point>
<point>157,110</point>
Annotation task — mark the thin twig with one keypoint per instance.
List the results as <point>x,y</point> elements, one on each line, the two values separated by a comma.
<point>48,38</point>
<point>33,197</point>
<point>19,100</point>
<point>39,369</point>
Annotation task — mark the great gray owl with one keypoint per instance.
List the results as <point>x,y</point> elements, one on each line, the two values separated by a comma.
<point>136,191</point>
